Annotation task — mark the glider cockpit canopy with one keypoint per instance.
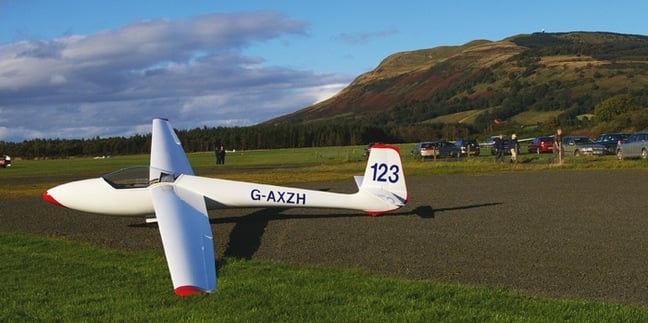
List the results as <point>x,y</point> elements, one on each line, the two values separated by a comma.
<point>136,177</point>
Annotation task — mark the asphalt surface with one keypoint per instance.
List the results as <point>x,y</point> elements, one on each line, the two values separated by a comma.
<point>563,234</point>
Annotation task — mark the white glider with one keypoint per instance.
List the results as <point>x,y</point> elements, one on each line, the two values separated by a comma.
<point>179,200</point>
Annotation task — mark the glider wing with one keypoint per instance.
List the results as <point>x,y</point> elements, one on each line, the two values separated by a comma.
<point>186,237</point>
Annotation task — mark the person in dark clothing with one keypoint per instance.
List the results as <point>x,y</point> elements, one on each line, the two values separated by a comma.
<point>499,148</point>
<point>220,155</point>
<point>217,154</point>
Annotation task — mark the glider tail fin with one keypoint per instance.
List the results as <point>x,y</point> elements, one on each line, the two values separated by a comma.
<point>384,178</point>
<point>167,155</point>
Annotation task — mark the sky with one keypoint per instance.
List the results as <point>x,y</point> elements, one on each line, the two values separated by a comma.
<point>78,69</point>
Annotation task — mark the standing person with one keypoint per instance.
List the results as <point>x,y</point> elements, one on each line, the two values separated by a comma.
<point>499,148</point>
<point>217,154</point>
<point>514,149</point>
<point>221,154</point>
<point>557,147</point>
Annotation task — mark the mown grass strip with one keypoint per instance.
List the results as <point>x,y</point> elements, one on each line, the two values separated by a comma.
<point>48,279</point>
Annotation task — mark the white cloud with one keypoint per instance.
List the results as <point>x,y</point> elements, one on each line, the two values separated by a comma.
<point>324,92</point>
<point>189,70</point>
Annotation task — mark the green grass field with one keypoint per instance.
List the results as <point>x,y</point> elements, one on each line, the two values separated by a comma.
<point>58,280</point>
<point>46,279</point>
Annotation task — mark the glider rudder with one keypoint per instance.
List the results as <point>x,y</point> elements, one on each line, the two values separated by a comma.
<point>384,177</point>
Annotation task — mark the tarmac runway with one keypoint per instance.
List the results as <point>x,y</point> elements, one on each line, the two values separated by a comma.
<point>563,234</point>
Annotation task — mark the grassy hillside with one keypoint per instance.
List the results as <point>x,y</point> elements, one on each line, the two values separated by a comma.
<point>535,78</point>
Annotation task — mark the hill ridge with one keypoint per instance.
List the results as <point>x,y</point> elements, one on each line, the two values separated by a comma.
<point>564,73</point>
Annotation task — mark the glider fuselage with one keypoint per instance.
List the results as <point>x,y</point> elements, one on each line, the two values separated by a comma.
<point>98,195</point>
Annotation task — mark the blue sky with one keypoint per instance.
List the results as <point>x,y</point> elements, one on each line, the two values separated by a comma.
<point>80,69</point>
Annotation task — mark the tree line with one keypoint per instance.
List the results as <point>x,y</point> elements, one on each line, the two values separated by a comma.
<point>241,138</point>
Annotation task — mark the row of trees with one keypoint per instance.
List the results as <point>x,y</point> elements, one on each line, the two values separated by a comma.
<point>207,139</point>
<point>58,148</point>
<point>241,138</point>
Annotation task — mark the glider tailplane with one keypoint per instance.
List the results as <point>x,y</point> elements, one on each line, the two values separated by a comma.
<point>384,179</point>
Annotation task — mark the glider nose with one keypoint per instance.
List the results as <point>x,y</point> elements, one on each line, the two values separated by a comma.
<point>49,198</point>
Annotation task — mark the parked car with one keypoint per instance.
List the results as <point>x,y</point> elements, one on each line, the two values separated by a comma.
<point>636,146</point>
<point>540,145</point>
<point>447,149</point>
<point>368,149</point>
<point>5,161</point>
<point>581,145</point>
<point>489,141</point>
<point>433,149</point>
<point>611,141</point>
<point>507,147</point>
<point>468,147</point>
<point>423,149</point>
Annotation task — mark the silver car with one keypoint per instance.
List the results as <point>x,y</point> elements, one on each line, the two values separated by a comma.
<point>435,149</point>
<point>636,146</point>
<point>581,145</point>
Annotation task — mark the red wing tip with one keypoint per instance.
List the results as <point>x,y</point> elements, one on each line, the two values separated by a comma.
<point>188,290</point>
<point>377,213</point>
<point>47,197</point>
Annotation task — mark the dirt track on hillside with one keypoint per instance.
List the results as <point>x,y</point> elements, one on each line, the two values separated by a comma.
<point>566,234</point>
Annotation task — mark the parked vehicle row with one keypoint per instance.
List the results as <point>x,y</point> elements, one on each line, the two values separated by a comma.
<point>605,144</point>
<point>623,145</point>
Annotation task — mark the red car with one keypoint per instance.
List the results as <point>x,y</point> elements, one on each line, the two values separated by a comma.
<point>5,161</point>
<point>541,145</point>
